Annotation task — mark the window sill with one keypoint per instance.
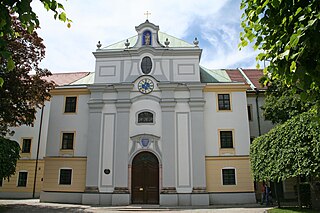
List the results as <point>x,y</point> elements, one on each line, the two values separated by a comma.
<point>25,155</point>
<point>227,151</point>
<point>69,152</point>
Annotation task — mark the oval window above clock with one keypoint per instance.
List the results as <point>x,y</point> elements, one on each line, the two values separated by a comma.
<point>146,65</point>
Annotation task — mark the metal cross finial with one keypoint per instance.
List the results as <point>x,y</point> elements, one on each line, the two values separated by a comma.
<point>147,14</point>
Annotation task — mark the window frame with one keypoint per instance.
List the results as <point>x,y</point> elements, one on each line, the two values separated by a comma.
<point>250,114</point>
<point>22,146</point>
<point>220,138</point>
<point>19,180</point>
<point>62,141</point>
<point>230,102</point>
<point>149,111</point>
<point>235,176</point>
<point>141,64</point>
<point>59,177</point>
<point>65,104</point>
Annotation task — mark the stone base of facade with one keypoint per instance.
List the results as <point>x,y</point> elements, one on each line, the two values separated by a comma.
<point>61,197</point>
<point>11,195</point>
<point>121,199</point>
<point>184,199</point>
<point>232,198</point>
<point>108,199</point>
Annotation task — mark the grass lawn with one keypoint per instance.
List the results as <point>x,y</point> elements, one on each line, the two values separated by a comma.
<point>291,210</point>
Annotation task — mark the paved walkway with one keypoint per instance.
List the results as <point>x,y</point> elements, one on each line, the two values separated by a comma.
<point>33,205</point>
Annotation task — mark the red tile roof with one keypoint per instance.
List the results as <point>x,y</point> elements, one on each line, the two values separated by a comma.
<point>253,74</point>
<point>61,79</point>
<point>235,75</point>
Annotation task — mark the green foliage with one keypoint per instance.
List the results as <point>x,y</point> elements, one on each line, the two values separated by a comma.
<point>29,21</point>
<point>287,34</point>
<point>9,154</point>
<point>22,93</point>
<point>283,102</point>
<point>291,210</point>
<point>288,150</point>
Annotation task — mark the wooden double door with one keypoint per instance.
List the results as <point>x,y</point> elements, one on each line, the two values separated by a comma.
<point>145,179</point>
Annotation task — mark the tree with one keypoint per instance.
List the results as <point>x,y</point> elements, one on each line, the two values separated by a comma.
<point>283,102</point>
<point>9,154</point>
<point>287,35</point>
<point>288,150</point>
<point>28,20</point>
<point>21,93</point>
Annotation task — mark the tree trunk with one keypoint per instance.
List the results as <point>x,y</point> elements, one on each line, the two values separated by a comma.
<point>276,193</point>
<point>315,194</point>
<point>298,191</point>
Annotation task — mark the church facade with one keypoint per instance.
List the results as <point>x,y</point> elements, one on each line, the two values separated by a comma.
<point>149,126</point>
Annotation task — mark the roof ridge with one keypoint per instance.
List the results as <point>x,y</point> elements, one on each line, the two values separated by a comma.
<point>119,42</point>
<point>175,37</point>
<point>64,73</point>
<point>216,73</point>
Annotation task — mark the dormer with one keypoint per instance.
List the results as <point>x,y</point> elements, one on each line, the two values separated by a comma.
<point>147,35</point>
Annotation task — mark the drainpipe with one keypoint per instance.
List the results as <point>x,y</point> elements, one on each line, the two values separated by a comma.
<point>258,113</point>
<point>37,157</point>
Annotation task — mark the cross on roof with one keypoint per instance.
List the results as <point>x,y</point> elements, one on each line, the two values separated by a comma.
<point>147,14</point>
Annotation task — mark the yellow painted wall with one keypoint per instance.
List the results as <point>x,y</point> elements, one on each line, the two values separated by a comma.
<point>51,173</point>
<point>29,166</point>
<point>214,166</point>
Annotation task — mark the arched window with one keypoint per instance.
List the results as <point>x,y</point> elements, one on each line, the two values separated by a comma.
<point>145,117</point>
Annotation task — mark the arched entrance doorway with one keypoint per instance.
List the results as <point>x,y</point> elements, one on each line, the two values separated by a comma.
<point>145,179</point>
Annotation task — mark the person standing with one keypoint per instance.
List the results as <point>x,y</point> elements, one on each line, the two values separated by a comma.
<point>263,193</point>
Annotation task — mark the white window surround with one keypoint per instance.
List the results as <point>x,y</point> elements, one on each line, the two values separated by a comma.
<point>145,110</point>
<point>60,174</point>
<point>235,176</point>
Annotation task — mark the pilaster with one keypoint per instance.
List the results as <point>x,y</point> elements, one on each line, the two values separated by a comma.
<point>93,145</point>
<point>168,104</point>
<point>196,105</point>
<point>121,147</point>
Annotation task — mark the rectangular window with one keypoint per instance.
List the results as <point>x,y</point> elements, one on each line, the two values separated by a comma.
<point>70,104</point>
<point>65,176</point>
<point>251,139</point>
<point>224,101</point>
<point>26,145</point>
<point>22,179</point>
<point>249,113</point>
<point>67,140</point>
<point>229,176</point>
<point>226,139</point>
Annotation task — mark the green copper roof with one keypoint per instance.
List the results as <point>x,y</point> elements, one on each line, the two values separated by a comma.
<point>89,79</point>
<point>120,45</point>
<point>213,76</point>
<point>174,42</point>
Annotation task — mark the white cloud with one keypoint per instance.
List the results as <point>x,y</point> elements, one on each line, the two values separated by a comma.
<point>112,21</point>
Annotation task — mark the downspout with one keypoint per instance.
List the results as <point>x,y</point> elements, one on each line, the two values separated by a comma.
<point>37,157</point>
<point>258,113</point>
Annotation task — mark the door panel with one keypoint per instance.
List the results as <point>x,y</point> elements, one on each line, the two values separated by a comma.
<point>145,179</point>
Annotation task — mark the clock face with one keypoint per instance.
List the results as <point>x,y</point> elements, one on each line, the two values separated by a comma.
<point>145,86</point>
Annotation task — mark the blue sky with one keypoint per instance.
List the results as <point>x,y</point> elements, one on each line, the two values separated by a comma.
<point>216,24</point>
